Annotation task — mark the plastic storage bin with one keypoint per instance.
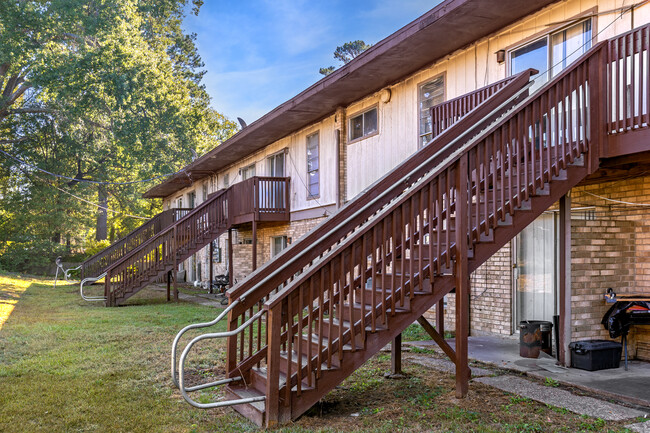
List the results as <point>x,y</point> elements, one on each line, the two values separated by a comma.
<point>534,336</point>
<point>595,355</point>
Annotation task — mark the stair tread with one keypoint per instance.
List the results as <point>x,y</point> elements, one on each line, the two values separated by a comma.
<point>248,392</point>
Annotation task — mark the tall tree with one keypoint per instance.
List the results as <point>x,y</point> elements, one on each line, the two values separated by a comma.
<point>345,53</point>
<point>102,90</point>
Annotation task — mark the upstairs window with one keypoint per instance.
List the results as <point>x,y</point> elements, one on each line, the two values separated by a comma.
<point>278,243</point>
<point>191,199</point>
<point>364,124</point>
<point>430,94</point>
<point>247,172</point>
<point>276,165</point>
<point>313,165</point>
<point>226,180</point>
<point>205,191</point>
<point>552,53</point>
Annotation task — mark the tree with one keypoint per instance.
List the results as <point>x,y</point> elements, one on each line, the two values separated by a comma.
<point>101,90</point>
<point>345,53</point>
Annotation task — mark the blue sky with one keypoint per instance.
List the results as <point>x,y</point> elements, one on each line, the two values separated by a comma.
<point>260,53</point>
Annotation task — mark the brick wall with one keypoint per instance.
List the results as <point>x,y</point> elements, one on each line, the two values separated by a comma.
<point>490,297</point>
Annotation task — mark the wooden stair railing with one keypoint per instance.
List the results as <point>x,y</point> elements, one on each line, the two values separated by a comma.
<point>248,296</point>
<point>163,252</point>
<point>331,310</point>
<point>98,263</point>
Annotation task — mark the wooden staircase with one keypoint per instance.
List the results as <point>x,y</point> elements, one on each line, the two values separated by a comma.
<point>98,263</point>
<point>306,320</point>
<point>162,253</point>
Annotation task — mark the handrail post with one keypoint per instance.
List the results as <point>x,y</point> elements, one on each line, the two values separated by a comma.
<point>107,288</point>
<point>175,270</point>
<point>597,92</point>
<point>462,278</point>
<point>287,192</point>
<point>273,329</point>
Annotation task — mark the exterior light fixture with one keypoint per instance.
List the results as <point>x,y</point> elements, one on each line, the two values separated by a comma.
<point>501,56</point>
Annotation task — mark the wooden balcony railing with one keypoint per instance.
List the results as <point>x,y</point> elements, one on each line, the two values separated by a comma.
<point>261,198</point>
<point>628,70</point>
<point>444,115</point>
<point>98,263</point>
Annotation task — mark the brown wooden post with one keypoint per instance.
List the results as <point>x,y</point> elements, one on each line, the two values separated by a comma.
<point>565,280</point>
<point>107,289</point>
<point>169,280</point>
<point>440,317</point>
<point>175,270</point>
<point>210,267</point>
<point>598,137</point>
<point>274,333</point>
<point>230,263</point>
<point>254,241</point>
<point>462,280</point>
<point>396,356</point>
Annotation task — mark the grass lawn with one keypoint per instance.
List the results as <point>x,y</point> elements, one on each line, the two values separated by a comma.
<point>71,366</point>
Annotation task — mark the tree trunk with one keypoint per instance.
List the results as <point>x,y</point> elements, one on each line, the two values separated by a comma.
<point>102,214</point>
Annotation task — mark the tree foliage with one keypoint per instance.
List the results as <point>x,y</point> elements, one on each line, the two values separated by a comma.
<point>102,90</point>
<point>345,53</point>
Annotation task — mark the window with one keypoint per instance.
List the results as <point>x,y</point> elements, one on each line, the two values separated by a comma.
<point>278,243</point>
<point>226,180</point>
<point>205,191</point>
<point>191,199</point>
<point>313,173</point>
<point>247,172</point>
<point>364,124</point>
<point>276,165</point>
<point>179,202</point>
<point>430,94</point>
<point>552,53</point>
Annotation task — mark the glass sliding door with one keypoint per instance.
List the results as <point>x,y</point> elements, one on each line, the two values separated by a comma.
<point>536,270</point>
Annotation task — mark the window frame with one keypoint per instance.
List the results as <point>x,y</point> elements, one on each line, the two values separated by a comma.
<point>248,167</point>
<point>421,84</point>
<point>588,15</point>
<point>285,244</point>
<point>361,113</point>
<point>311,196</point>
<point>272,156</point>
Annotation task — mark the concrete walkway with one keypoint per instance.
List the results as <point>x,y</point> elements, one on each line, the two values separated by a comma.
<point>207,299</point>
<point>632,386</point>
<point>558,397</point>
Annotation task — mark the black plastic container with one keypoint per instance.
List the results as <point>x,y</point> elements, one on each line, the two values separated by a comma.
<point>535,336</point>
<point>595,355</point>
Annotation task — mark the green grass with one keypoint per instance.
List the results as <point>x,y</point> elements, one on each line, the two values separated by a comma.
<point>67,365</point>
<point>71,366</point>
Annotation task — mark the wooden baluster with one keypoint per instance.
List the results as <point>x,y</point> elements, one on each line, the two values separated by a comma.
<point>383,242</point>
<point>310,328</point>
<point>272,406</point>
<point>321,308</point>
<point>431,204</point>
<point>439,199</point>
<point>289,327</point>
<point>393,267</point>
<point>364,277</point>
<point>341,283</point>
<point>330,334</point>
<point>301,307</point>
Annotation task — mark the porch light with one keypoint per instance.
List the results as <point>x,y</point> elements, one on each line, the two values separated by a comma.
<point>501,56</point>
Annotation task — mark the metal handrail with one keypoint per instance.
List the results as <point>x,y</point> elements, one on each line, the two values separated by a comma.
<point>91,298</point>
<point>181,375</point>
<point>66,272</point>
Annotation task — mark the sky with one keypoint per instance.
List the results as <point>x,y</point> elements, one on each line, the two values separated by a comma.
<point>260,53</point>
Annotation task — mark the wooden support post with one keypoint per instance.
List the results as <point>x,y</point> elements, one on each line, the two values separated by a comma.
<point>273,367</point>
<point>396,356</point>
<point>438,338</point>
<point>230,264</point>
<point>169,281</point>
<point>565,280</point>
<point>462,279</point>
<point>210,276</point>
<point>254,244</point>
<point>175,270</point>
<point>440,317</point>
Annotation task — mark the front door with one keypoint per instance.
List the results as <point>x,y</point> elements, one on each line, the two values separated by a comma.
<point>535,270</point>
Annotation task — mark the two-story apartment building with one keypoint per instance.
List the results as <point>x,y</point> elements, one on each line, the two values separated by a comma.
<point>339,136</point>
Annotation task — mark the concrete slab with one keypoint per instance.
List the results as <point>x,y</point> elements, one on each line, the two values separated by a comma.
<point>640,427</point>
<point>558,397</point>
<point>631,386</point>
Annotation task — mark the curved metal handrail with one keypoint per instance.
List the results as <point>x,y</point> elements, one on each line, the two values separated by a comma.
<point>181,374</point>
<point>66,272</point>
<point>91,298</point>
